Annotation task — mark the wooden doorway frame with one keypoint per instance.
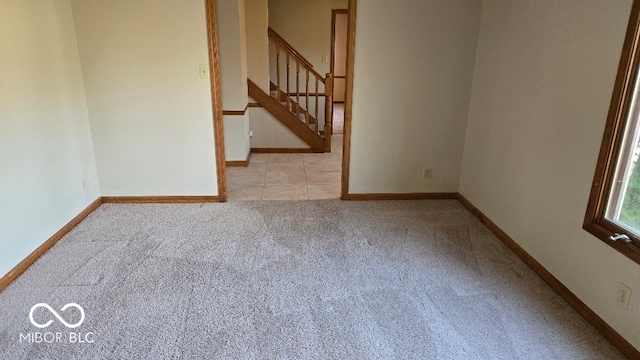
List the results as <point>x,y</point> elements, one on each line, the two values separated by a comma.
<point>348,100</point>
<point>216,98</point>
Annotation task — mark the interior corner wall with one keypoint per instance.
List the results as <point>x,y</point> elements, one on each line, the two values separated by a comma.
<point>232,46</point>
<point>257,23</point>
<point>46,151</point>
<point>151,114</point>
<point>270,133</point>
<point>413,74</point>
<point>543,81</point>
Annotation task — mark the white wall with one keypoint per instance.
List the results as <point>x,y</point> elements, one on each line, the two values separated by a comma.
<point>270,133</point>
<point>543,80</point>
<point>45,141</point>
<point>341,27</point>
<point>413,72</point>
<point>267,131</point>
<point>233,76</point>
<point>150,112</point>
<point>256,26</point>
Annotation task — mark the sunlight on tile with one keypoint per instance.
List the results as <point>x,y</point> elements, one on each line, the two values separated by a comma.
<point>288,176</point>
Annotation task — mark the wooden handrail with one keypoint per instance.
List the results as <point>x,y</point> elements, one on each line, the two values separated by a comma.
<point>296,100</point>
<point>289,49</point>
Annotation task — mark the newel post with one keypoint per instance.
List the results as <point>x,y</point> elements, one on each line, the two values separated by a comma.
<point>328,113</point>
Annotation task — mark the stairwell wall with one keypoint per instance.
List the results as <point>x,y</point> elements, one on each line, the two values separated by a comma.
<point>233,77</point>
<point>267,131</point>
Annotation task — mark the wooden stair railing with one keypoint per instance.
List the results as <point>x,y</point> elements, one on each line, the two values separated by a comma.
<point>287,117</point>
<point>296,98</point>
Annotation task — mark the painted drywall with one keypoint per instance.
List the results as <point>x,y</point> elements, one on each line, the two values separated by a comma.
<point>256,26</point>
<point>413,72</point>
<point>151,114</point>
<point>270,133</point>
<point>46,152</point>
<point>543,81</point>
<point>267,131</point>
<point>233,77</point>
<point>340,55</point>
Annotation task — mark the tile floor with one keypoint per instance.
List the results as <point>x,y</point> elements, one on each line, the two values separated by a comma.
<point>288,176</point>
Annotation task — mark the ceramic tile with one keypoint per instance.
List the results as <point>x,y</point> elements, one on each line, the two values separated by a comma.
<point>244,192</point>
<point>284,166</point>
<point>284,158</point>
<point>235,177</point>
<point>283,177</point>
<point>323,177</point>
<point>325,165</point>
<point>258,158</point>
<point>285,192</point>
<point>288,176</point>
<point>324,191</point>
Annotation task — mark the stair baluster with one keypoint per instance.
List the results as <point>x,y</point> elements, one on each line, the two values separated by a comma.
<point>317,97</point>
<point>278,91</point>
<point>328,96</point>
<point>306,101</point>
<point>288,81</point>
<point>294,105</point>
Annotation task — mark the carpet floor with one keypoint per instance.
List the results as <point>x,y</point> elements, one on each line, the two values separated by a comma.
<point>288,280</point>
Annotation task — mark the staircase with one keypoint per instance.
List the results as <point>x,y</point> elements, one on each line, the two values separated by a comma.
<point>295,98</point>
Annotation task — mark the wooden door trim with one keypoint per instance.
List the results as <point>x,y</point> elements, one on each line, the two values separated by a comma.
<point>216,97</point>
<point>348,101</point>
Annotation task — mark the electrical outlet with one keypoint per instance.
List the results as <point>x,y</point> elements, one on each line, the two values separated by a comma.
<point>204,71</point>
<point>83,184</point>
<point>426,173</point>
<point>624,295</point>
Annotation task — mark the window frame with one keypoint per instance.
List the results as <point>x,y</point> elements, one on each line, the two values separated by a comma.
<point>611,146</point>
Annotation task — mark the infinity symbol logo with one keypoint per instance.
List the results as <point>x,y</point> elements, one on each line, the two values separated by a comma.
<point>46,306</point>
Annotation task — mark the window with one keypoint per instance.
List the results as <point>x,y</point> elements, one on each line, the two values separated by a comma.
<point>613,214</point>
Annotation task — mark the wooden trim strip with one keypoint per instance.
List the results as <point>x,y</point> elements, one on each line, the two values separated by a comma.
<point>401,196</point>
<point>348,102</point>
<point>216,98</point>
<point>616,339</point>
<point>233,112</point>
<point>159,199</point>
<point>239,163</point>
<point>253,105</point>
<point>236,112</point>
<point>281,150</point>
<point>31,258</point>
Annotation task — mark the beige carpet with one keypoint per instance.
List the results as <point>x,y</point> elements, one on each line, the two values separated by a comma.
<point>289,280</point>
